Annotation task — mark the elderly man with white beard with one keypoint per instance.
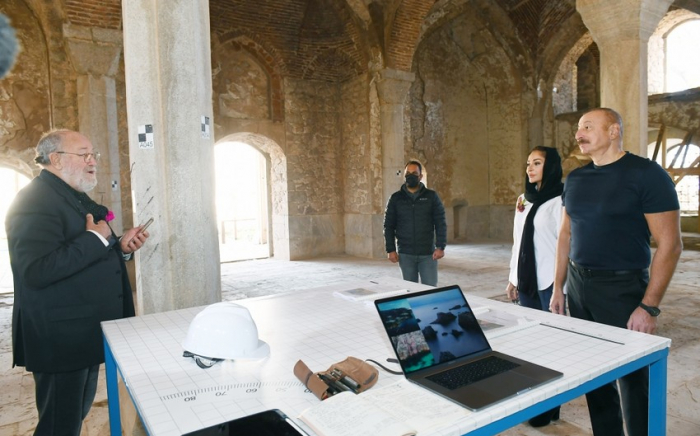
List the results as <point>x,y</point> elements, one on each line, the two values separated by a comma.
<point>69,275</point>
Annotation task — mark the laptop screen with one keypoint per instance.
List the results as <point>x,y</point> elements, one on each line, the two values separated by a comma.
<point>431,327</point>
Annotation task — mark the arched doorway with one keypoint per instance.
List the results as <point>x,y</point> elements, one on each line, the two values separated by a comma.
<point>277,190</point>
<point>242,200</point>
<point>11,181</point>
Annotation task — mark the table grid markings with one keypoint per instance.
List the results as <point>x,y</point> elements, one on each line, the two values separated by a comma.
<point>148,352</point>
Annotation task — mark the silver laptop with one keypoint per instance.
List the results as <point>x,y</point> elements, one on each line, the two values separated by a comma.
<point>441,346</point>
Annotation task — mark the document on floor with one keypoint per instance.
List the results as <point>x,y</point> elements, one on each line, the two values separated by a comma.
<point>401,409</point>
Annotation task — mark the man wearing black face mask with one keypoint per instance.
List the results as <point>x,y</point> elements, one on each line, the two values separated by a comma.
<point>415,221</point>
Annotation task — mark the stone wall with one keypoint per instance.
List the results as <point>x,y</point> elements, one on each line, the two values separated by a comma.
<point>24,93</point>
<point>466,121</point>
<point>313,135</point>
<point>361,163</point>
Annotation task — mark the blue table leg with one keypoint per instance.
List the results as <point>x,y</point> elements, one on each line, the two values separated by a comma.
<point>115,424</point>
<point>657,395</point>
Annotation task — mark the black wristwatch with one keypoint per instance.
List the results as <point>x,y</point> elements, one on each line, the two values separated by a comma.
<point>651,310</point>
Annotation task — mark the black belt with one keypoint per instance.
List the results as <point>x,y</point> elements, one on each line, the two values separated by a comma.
<point>603,272</point>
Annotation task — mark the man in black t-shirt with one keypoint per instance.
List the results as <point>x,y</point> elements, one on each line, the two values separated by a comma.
<point>611,208</point>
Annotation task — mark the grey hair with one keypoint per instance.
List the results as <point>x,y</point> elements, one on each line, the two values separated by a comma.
<point>50,142</point>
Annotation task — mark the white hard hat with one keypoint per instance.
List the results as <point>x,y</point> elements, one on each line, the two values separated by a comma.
<point>223,331</point>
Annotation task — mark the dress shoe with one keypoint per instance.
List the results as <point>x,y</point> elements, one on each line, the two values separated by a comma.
<point>545,418</point>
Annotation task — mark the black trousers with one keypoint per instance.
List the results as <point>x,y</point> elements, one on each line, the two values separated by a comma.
<point>63,400</point>
<point>610,298</point>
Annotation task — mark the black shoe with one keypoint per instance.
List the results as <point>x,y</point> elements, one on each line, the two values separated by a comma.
<point>545,418</point>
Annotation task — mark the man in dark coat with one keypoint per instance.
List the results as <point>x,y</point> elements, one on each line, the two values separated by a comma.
<point>415,221</point>
<point>69,275</point>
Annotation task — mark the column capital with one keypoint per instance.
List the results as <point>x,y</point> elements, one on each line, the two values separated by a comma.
<point>393,85</point>
<point>92,50</point>
<point>611,21</point>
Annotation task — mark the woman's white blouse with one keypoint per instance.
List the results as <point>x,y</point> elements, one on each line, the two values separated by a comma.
<point>547,224</point>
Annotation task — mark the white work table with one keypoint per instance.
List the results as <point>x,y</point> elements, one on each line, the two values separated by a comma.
<point>173,395</point>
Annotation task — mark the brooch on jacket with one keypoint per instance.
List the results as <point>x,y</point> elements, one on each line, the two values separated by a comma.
<point>521,204</point>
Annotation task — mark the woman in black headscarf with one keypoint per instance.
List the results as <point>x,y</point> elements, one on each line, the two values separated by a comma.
<point>535,230</point>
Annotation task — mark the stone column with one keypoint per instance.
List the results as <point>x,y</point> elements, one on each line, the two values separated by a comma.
<point>169,104</point>
<point>622,29</point>
<point>95,54</point>
<point>392,87</point>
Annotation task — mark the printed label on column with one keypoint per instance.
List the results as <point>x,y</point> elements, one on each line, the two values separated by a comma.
<point>205,127</point>
<point>146,136</point>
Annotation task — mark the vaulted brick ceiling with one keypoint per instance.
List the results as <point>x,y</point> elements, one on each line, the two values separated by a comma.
<point>332,39</point>
<point>316,39</point>
<point>537,21</point>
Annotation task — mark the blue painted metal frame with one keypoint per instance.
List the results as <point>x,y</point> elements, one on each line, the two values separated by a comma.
<point>111,368</point>
<point>657,363</point>
<point>115,420</point>
<point>657,396</point>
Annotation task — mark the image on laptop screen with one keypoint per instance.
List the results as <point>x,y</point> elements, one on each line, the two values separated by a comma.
<point>433,328</point>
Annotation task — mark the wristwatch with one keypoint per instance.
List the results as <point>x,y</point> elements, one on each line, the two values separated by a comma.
<point>651,310</point>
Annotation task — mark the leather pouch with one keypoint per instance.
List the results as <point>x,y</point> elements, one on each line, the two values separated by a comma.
<point>352,374</point>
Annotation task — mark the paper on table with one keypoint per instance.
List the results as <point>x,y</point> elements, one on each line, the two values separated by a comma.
<point>418,407</point>
<point>395,410</point>
<point>348,414</point>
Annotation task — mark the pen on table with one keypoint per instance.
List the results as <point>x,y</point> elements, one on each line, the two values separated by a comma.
<point>331,390</point>
<point>334,383</point>
<point>352,384</point>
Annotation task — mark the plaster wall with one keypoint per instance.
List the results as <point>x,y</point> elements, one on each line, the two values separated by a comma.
<point>467,127</point>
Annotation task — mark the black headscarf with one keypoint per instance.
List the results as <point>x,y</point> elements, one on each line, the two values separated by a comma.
<point>551,187</point>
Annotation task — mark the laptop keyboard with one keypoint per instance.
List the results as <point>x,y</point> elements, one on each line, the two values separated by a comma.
<point>472,372</point>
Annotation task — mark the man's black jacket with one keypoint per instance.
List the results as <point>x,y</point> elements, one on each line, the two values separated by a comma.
<point>417,225</point>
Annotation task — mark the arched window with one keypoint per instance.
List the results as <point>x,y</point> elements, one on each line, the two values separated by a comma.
<point>682,61</point>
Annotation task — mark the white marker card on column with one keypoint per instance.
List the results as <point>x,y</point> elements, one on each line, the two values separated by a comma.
<point>205,127</point>
<point>146,136</point>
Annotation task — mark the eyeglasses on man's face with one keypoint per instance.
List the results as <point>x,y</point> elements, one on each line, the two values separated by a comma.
<point>86,156</point>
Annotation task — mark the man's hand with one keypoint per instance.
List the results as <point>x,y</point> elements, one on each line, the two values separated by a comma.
<point>393,257</point>
<point>438,254</point>
<point>556,303</point>
<point>133,239</point>
<point>641,321</point>
<point>101,227</point>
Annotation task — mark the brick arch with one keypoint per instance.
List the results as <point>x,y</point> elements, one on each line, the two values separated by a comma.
<point>267,57</point>
<point>562,80</point>
<point>672,20</point>
<point>106,14</point>
<point>405,32</point>
<point>277,187</point>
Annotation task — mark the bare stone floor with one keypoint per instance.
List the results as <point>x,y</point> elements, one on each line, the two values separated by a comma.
<point>479,268</point>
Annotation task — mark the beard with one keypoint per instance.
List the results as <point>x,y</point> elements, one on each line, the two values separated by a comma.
<point>79,180</point>
<point>87,185</point>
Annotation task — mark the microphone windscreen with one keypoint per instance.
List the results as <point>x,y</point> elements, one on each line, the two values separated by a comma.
<point>8,46</point>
